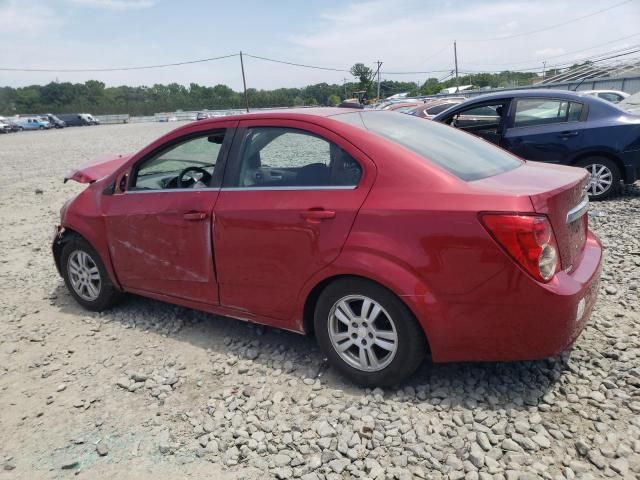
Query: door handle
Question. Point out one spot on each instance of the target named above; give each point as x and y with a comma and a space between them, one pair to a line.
315, 216
568, 134
194, 216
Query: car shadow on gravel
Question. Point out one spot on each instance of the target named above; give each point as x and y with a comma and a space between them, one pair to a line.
490, 385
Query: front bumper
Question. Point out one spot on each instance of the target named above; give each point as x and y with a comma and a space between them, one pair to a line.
56, 245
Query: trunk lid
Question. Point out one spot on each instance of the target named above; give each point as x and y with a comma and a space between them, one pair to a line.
102, 166
556, 191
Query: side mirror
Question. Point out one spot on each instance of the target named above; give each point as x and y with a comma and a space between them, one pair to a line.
122, 183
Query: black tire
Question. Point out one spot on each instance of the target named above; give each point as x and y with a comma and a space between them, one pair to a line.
613, 173
108, 294
411, 343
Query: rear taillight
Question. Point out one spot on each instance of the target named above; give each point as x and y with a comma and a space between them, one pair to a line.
528, 239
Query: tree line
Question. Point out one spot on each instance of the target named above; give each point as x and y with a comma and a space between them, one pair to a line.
95, 97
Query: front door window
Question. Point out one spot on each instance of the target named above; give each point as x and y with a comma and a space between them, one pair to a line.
484, 121
188, 164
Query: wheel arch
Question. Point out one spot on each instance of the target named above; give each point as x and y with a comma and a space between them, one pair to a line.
58, 245
312, 297
68, 233
608, 155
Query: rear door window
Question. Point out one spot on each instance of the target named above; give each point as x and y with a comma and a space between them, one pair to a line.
543, 111
280, 157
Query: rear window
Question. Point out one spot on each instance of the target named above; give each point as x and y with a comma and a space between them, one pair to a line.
462, 154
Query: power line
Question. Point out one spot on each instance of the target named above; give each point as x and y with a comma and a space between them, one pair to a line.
417, 73
316, 67
550, 27
594, 59
330, 69
114, 69
445, 47
559, 66
563, 54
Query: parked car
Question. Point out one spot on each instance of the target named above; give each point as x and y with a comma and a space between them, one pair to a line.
557, 127
613, 96
432, 108
14, 126
55, 121
74, 119
52, 120
387, 235
4, 127
91, 120
202, 116
11, 124
32, 123
402, 107
631, 104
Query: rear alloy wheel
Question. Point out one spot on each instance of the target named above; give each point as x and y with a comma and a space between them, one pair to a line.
85, 276
368, 340
368, 333
604, 177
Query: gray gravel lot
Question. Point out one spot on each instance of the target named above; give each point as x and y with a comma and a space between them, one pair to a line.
149, 389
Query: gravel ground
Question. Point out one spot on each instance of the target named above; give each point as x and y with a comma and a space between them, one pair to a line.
153, 389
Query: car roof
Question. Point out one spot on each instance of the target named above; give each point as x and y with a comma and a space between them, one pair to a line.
598, 108
600, 91
530, 93
283, 113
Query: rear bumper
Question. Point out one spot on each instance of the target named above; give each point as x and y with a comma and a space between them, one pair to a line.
540, 321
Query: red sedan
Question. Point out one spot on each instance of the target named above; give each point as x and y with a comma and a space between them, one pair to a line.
388, 236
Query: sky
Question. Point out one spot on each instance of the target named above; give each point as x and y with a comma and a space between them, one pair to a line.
406, 35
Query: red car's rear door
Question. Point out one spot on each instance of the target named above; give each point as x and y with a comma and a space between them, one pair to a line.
159, 231
291, 192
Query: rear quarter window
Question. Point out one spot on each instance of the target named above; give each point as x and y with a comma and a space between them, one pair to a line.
465, 156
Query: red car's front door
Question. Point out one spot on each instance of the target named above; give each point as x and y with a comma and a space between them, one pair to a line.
290, 196
160, 228
160, 242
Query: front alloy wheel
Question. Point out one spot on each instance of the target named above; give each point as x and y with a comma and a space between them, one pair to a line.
84, 275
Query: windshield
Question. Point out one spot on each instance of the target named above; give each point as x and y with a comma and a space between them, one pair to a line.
462, 154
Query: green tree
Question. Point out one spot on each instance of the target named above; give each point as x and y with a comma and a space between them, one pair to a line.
334, 100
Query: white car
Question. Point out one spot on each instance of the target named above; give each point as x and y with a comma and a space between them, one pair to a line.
631, 104
613, 96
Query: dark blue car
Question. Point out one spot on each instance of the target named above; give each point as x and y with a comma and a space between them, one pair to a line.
557, 127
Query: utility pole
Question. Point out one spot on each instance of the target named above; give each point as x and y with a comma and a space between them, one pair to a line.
244, 82
379, 65
455, 58
544, 69
344, 83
